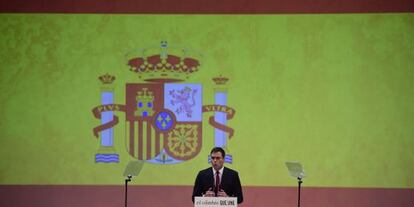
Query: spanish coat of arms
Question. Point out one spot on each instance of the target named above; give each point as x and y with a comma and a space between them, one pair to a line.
163, 114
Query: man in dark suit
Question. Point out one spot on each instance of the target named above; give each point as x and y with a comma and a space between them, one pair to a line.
218, 181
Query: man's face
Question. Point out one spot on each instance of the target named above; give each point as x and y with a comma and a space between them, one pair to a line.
217, 160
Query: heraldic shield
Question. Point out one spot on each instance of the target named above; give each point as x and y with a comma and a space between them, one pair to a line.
163, 121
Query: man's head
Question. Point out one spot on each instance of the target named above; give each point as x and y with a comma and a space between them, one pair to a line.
217, 157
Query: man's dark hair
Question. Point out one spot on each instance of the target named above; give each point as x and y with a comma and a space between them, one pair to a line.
218, 149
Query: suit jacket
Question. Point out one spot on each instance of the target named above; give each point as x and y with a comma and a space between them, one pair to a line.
230, 183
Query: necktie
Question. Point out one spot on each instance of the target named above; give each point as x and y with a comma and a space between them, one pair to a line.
216, 189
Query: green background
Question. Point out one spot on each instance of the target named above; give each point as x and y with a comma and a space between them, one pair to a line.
334, 92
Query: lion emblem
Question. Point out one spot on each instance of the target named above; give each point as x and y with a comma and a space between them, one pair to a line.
184, 100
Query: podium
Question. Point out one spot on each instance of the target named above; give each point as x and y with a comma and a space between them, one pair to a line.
215, 201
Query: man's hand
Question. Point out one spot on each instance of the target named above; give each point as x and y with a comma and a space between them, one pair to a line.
221, 193
209, 193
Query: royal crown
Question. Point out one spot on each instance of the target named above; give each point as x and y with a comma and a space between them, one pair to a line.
107, 79
165, 64
220, 80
